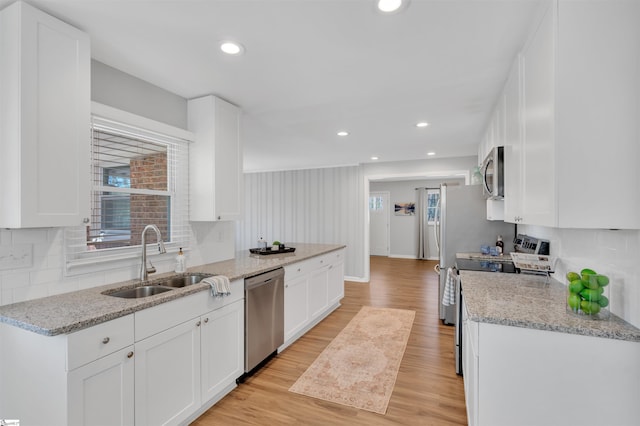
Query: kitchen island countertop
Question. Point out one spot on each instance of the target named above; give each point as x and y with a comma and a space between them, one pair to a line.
532, 301
73, 311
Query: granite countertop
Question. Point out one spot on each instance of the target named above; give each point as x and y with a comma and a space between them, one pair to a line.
69, 312
532, 301
479, 256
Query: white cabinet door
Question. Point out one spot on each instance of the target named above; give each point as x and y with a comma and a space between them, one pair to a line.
513, 145
167, 375
215, 160
318, 291
102, 392
222, 342
44, 125
296, 308
336, 282
538, 149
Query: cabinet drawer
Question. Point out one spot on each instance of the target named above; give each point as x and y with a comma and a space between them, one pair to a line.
95, 342
296, 270
162, 317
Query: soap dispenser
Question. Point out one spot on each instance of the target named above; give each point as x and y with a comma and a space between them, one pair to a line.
181, 262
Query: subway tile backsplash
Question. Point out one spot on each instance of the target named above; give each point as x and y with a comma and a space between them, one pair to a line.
45, 274
612, 252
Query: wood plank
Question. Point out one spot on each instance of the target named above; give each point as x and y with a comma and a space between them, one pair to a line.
427, 391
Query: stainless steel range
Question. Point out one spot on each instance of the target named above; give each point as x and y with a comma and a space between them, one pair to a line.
497, 265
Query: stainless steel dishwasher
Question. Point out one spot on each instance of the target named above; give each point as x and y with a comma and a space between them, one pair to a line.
264, 317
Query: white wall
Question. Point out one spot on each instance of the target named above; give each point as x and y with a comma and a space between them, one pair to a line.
305, 206
117, 89
610, 252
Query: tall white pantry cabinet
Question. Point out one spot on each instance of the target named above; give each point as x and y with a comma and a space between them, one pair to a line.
44, 120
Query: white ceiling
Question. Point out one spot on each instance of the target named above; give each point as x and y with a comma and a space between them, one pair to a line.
313, 67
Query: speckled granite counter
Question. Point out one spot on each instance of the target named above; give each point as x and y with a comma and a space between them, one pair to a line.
69, 312
522, 300
479, 256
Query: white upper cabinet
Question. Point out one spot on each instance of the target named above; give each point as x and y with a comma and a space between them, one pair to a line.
580, 140
215, 160
44, 120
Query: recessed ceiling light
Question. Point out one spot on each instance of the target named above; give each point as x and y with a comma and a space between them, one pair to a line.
231, 47
422, 124
343, 133
389, 6
431, 153
374, 158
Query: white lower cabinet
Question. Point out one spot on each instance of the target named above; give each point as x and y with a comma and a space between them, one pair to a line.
222, 349
313, 289
335, 285
318, 291
520, 376
167, 375
182, 370
296, 309
102, 392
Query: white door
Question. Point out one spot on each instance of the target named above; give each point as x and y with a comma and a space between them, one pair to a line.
379, 223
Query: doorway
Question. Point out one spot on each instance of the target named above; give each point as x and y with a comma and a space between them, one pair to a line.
379, 223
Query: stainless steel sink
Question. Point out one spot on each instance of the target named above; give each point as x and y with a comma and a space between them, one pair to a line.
182, 281
138, 292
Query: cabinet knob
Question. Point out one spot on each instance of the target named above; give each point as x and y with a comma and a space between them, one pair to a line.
286, 286
85, 220
206, 320
105, 340
219, 217
198, 324
298, 269
130, 354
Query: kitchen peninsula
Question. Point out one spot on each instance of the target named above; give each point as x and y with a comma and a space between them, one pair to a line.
527, 361
89, 357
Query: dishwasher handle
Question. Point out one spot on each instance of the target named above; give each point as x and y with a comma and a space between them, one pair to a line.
262, 279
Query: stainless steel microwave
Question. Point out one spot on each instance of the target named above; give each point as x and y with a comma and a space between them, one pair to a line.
493, 174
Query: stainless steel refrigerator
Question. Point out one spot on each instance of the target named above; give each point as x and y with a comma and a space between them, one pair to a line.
463, 227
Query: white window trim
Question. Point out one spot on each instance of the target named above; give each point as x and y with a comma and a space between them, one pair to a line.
127, 123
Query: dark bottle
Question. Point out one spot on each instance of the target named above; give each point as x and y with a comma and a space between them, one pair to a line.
500, 245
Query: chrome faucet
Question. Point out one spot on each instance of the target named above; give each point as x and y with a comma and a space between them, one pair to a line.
144, 271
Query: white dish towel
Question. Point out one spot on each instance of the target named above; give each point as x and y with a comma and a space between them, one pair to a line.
220, 285
451, 283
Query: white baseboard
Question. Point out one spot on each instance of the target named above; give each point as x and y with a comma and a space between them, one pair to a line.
356, 279
402, 256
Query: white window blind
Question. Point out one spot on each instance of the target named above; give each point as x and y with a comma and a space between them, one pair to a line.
139, 177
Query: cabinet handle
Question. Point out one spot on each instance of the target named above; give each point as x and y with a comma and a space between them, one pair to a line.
105, 340
206, 320
130, 354
198, 324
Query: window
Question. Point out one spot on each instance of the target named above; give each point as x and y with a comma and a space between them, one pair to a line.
433, 212
139, 177
130, 188
376, 203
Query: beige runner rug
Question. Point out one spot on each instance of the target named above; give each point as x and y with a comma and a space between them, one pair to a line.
360, 366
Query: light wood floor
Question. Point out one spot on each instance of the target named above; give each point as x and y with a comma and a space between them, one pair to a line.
427, 391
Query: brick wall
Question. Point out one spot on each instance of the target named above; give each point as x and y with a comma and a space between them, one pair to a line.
149, 172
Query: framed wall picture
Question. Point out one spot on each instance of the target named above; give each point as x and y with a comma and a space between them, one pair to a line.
405, 209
